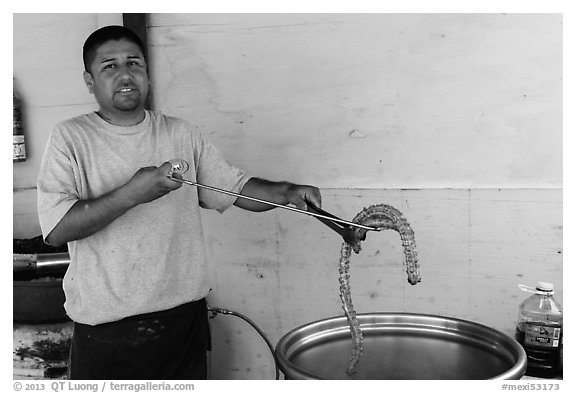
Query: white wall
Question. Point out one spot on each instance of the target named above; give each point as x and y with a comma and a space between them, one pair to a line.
454, 119
371, 101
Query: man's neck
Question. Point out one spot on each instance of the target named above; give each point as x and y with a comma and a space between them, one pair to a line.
128, 119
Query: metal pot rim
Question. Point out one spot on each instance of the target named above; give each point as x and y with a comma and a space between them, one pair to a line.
471, 331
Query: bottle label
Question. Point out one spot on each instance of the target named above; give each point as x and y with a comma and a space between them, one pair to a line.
542, 336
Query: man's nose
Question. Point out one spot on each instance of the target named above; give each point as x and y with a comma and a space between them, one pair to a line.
124, 73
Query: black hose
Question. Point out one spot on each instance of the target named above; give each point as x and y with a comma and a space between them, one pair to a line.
215, 311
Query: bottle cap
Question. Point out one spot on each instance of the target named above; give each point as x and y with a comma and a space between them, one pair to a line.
545, 286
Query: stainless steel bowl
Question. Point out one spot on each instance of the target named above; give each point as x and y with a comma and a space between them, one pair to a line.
401, 346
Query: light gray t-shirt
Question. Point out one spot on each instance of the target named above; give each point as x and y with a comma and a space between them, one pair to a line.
153, 257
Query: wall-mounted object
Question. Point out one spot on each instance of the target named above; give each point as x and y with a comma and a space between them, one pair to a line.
18, 129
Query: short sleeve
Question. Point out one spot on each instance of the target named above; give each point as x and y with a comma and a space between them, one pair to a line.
214, 170
57, 187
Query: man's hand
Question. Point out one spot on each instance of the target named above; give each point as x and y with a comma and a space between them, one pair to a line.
301, 195
150, 183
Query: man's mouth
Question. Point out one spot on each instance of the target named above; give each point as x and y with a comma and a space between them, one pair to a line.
126, 90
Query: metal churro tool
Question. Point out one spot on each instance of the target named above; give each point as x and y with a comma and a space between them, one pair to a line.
180, 166
341, 227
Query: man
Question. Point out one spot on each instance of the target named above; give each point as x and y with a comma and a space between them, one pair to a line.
137, 278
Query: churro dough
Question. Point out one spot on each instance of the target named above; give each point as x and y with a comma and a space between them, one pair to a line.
377, 216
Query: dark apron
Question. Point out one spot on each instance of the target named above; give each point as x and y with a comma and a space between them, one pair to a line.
169, 344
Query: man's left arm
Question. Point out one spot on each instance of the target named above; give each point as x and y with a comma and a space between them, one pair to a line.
282, 193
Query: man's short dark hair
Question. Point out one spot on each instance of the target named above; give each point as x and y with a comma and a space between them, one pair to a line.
103, 35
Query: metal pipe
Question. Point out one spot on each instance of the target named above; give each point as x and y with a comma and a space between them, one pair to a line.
274, 204
54, 261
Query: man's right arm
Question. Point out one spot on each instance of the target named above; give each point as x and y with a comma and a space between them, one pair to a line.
87, 217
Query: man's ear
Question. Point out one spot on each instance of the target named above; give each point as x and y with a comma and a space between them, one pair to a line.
89, 82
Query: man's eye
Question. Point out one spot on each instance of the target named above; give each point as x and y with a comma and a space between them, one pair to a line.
109, 66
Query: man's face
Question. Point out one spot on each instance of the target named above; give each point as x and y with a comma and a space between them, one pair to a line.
118, 79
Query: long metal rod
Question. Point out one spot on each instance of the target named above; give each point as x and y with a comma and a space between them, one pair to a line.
273, 204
